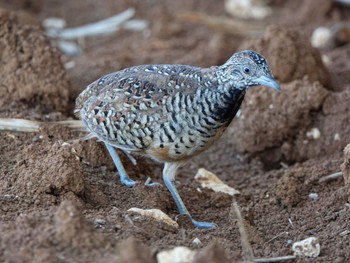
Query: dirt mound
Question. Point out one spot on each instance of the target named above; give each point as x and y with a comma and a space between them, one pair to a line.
339, 66
281, 117
301, 122
31, 70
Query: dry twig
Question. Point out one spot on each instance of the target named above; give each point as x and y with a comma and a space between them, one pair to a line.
22, 125
248, 255
276, 259
104, 26
330, 177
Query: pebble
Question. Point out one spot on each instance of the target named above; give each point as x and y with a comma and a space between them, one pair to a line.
321, 37
155, 214
211, 181
313, 196
309, 247
176, 255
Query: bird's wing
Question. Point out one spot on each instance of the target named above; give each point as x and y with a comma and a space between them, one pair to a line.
125, 101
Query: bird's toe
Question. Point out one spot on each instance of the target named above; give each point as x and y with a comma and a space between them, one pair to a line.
150, 183
204, 225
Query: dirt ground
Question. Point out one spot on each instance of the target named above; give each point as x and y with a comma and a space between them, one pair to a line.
60, 196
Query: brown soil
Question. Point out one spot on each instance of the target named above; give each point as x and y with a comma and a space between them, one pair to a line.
60, 197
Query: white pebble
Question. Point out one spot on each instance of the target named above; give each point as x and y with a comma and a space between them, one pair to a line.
247, 9
321, 37
313, 196
197, 242
314, 133
326, 60
336, 137
309, 247
69, 64
176, 255
54, 23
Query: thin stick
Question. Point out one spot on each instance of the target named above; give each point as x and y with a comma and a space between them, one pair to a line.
280, 234
330, 177
276, 259
23, 125
104, 26
248, 255
19, 125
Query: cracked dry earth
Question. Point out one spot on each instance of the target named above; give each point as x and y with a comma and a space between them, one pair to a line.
60, 197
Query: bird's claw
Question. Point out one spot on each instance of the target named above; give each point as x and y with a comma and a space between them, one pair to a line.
131, 183
128, 182
204, 225
151, 184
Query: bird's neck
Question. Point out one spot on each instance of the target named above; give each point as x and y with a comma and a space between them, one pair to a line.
222, 97
228, 102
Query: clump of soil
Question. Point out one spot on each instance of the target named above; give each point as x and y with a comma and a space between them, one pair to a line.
339, 66
345, 167
71, 228
296, 124
31, 70
59, 173
268, 119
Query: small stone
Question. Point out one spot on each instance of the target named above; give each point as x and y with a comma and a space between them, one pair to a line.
37, 138
321, 37
176, 255
156, 214
313, 196
247, 9
100, 222
197, 242
336, 137
326, 60
314, 133
211, 181
309, 247
54, 23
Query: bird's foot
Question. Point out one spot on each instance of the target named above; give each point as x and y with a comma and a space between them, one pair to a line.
204, 225
150, 183
128, 182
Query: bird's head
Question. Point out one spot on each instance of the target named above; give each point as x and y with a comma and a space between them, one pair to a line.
248, 68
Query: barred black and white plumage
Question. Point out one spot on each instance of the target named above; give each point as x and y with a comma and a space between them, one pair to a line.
170, 112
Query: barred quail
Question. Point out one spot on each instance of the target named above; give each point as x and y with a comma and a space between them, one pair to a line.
169, 113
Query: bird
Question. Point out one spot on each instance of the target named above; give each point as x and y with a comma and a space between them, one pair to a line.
169, 113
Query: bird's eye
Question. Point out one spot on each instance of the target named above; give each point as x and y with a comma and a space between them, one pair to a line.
246, 70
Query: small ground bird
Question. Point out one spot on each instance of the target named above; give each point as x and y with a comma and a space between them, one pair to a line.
169, 113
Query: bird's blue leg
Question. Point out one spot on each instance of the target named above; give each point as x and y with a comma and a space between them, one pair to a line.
124, 178
169, 173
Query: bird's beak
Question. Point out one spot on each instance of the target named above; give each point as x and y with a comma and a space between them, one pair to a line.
268, 82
